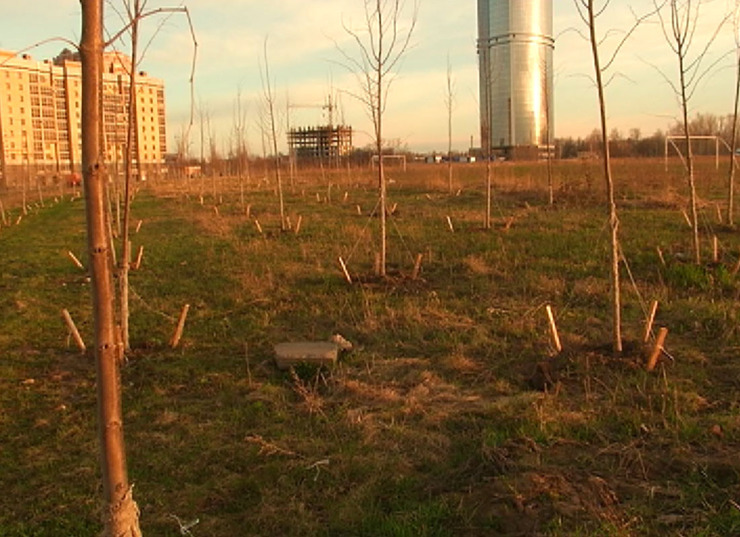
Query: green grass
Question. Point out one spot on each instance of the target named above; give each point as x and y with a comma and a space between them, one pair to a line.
430, 426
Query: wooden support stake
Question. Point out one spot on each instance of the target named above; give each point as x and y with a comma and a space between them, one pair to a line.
73, 330
657, 349
249, 211
345, 271
346, 195
180, 326
2, 214
660, 255
417, 266
318, 197
509, 222
719, 213
18, 221
215, 210
288, 223
201, 200
75, 260
459, 191
359, 210
449, 224
138, 225
393, 209
257, 224
553, 329
686, 217
139, 256
715, 249
650, 321
298, 224
377, 264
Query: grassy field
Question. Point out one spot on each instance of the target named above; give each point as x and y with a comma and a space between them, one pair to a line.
434, 424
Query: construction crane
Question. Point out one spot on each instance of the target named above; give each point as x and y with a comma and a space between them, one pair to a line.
329, 106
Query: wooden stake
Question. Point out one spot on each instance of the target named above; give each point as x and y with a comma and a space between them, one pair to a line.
137, 265
249, 211
459, 191
138, 225
201, 200
215, 210
650, 321
553, 329
180, 326
75, 260
257, 224
359, 210
449, 224
686, 217
417, 266
318, 197
393, 209
377, 264
298, 224
346, 195
2, 214
509, 222
657, 349
719, 213
715, 249
73, 331
18, 221
660, 255
345, 271
288, 223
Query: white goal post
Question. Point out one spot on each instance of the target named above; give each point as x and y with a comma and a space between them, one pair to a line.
669, 139
400, 158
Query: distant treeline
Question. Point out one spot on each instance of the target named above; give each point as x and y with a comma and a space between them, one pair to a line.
633, 144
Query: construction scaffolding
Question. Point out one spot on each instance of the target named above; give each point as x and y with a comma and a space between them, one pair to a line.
320, 145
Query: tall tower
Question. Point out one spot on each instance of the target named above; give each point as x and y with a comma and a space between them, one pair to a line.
515, 49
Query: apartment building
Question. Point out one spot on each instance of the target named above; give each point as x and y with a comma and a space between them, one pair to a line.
41, 125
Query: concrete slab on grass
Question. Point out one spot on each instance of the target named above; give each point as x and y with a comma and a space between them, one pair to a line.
318, 353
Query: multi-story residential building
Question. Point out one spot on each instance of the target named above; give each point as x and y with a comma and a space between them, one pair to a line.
41, 126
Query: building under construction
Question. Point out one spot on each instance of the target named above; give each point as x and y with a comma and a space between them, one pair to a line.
320, 145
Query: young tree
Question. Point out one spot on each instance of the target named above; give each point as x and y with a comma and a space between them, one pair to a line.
380, 44
120, 511
679, 30
731, 172
450, 104
589, 14
269, 100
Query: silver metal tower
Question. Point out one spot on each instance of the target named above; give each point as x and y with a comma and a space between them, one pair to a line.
515, 49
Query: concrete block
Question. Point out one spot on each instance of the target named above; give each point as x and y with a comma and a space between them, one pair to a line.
318, 353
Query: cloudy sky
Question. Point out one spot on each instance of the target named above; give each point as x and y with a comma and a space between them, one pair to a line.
305, 64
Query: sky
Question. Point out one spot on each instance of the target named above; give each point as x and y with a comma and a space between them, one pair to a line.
305, 40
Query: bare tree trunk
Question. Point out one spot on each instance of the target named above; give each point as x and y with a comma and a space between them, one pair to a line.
270, 100
731, 174
689, 161
120, 511
125, 261
612, 207
449, 101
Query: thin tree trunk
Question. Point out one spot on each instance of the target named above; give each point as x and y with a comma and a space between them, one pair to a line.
689, 162
612, 207
120, 511
731, 175
125, 261
379, 146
